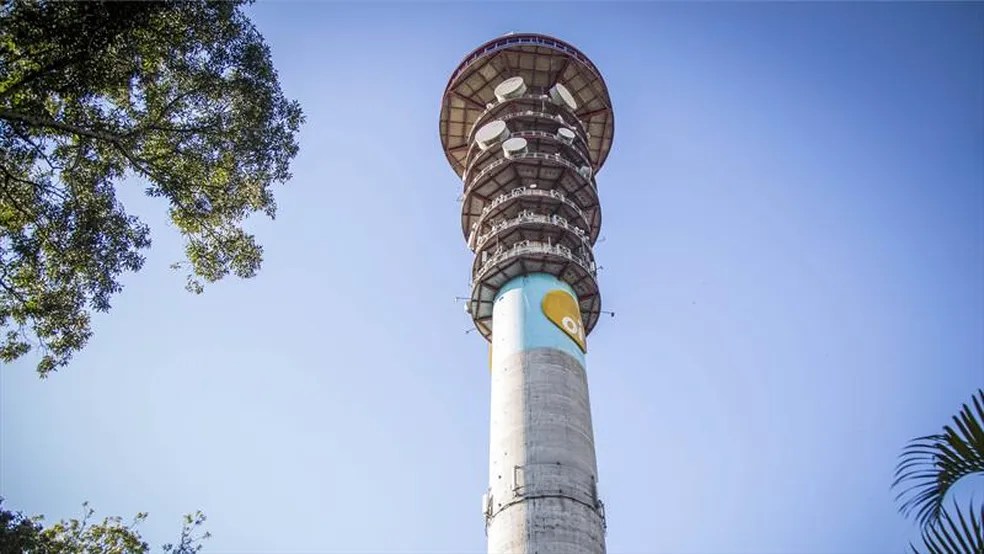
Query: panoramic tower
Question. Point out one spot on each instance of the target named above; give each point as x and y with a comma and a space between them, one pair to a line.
526, 122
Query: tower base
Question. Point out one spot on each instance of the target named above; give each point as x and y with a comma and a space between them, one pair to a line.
543, 495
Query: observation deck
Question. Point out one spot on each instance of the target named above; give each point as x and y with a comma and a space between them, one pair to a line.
526, 122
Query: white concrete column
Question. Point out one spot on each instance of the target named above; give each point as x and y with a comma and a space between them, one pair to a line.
542, 496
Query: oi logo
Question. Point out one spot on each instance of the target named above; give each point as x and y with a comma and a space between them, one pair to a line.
561, 308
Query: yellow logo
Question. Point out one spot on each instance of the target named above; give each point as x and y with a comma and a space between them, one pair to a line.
561, 308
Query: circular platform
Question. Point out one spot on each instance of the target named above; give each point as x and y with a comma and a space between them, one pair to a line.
542, 62
547, 171
534, 199
534, 257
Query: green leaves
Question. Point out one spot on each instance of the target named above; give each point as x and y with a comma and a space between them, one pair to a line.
18, 533
80, 536
182, 94
954, 535
191, 535
930, 465
112, 535
927, 469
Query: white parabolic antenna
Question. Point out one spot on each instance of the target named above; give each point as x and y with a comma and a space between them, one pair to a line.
510, 88
565, 134
563, 97
491, 133
514, 146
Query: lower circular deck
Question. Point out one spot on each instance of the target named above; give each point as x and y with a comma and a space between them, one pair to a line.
534, 257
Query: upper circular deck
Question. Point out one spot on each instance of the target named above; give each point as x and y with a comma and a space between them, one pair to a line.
542, 61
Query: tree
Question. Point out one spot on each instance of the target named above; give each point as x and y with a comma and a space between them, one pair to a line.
26, 535
927, 470
18, 533
182, 95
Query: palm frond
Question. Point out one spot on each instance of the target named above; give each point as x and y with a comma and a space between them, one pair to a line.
954, 535
930, 465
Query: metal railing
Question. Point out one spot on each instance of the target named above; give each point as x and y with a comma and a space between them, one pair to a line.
470, 163
540, 114
527, 216
532, 247
526, 191
584, 171
505, 42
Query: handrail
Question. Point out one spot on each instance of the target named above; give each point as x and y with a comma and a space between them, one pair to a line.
533, 247
529, 133
533, 39
535, 156
493, 106
525, 191
527, 216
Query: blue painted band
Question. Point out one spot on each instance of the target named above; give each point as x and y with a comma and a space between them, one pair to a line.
537, 331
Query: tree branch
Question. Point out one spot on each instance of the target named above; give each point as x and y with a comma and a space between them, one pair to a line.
166, 109
8, 176
54, 66
12, 291
35, 121
37, 148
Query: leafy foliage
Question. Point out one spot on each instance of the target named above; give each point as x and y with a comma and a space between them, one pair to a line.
949, 535
191, 535
112, 535
17, 532
930, 465
180, 94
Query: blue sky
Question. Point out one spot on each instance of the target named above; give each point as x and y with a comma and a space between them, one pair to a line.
793, 245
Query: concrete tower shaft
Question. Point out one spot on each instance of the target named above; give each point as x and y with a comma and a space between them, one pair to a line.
526, 122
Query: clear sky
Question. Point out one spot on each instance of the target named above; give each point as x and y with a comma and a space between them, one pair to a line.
793, 245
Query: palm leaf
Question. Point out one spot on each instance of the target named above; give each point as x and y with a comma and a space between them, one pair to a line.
930, 465
954, 535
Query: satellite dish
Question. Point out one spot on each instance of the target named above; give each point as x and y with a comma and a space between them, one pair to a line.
562, 97
491, 133
512, 87
514, 146
566, 135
